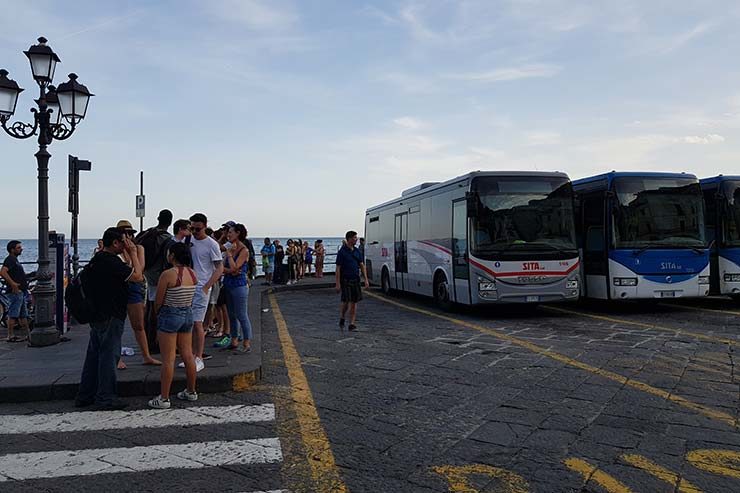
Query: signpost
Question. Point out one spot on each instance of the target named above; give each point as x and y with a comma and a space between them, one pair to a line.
140, 202
75, 166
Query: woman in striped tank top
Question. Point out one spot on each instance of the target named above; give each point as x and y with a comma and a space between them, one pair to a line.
175, 291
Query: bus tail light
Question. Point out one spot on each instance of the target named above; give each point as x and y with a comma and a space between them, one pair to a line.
625, 281
732, 277
703, 279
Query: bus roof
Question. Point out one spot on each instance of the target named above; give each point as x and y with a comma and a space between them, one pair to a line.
719, 178
632, 174
411, 193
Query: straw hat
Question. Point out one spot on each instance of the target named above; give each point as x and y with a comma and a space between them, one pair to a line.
125, 225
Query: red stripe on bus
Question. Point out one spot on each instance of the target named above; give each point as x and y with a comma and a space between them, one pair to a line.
525, 273
438, 247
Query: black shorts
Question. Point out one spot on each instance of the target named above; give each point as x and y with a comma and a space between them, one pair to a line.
351, 291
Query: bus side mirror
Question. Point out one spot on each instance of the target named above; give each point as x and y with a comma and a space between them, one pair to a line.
473, 204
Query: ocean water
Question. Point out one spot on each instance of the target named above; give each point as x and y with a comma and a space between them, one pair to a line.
86, 247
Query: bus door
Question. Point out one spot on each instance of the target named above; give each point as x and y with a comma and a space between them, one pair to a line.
400, 252
460, 267
595, 246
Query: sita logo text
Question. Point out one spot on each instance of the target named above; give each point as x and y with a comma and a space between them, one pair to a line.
531, 266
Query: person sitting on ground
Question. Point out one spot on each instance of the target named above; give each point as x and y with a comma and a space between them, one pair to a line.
175, 290
106, 286
15, 277
136, 294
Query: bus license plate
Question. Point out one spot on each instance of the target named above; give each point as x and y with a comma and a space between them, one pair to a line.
667, 294
531, 299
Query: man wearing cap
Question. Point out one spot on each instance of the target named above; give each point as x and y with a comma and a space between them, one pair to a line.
136, 308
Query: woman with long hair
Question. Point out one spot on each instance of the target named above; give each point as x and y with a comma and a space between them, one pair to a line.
236, 285
136, 307
291, 253
320, 253
175, 291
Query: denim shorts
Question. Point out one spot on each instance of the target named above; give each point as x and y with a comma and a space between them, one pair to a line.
173, 320
135, 293
200, 303
17, 305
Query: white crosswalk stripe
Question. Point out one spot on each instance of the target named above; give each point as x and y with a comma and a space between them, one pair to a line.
88, 462
136, 459
144, 418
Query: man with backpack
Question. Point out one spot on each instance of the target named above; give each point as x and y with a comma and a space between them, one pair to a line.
155, 242
104, 282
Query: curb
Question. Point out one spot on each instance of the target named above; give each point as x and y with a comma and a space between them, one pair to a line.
65, 387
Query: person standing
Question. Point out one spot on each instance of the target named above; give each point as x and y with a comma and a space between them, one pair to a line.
320, 254
15, 277
105, 280
237, 288
278, 277
155, 242
182, 231
350, 263
307, 258
136, 295
293, 253
208, 266
175, 292
268, 260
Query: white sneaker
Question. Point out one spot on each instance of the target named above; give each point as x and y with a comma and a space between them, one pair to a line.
186, 395
199, 365
181, 364
160, 403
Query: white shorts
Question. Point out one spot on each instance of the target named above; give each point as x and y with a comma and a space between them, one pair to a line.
151, 292
215, 291
200, 304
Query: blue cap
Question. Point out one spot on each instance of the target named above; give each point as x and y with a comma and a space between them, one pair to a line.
230, 224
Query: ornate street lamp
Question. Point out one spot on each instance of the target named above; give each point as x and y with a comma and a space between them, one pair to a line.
59, 112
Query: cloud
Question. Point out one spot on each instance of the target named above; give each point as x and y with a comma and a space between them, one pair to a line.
679, 40
543, 138
509, 73
409, 123
257, 15
707, 139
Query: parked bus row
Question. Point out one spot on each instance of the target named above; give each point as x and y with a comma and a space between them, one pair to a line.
533, 237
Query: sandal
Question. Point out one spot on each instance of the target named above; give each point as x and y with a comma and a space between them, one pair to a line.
17, 339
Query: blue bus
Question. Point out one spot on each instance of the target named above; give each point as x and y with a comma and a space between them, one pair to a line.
722, 201
641, 236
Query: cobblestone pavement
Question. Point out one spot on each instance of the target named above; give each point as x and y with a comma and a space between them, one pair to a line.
592, 397
637, 398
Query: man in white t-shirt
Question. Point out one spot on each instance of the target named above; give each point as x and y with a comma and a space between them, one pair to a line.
208, 266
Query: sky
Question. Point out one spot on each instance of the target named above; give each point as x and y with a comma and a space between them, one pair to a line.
295, 116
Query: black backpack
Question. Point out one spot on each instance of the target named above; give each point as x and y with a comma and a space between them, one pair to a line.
154, 242
79, 303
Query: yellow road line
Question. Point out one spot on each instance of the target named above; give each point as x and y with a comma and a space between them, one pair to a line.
635, 384
702, 309
679, 484
643, 325
593, 473
716, 461
458, 478
324, 472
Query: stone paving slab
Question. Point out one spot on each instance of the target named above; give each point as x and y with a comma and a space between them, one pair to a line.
53, 373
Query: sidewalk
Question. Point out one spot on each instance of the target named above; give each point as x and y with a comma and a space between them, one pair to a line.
53, 372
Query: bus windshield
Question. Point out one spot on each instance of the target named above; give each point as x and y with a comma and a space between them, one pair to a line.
731, 190
522, 214
658, 212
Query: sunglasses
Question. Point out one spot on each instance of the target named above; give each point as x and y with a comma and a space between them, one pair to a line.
196, 229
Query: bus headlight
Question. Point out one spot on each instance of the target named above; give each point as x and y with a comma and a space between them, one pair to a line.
625, 281
486, 286
732, 277
572, 284
703, 279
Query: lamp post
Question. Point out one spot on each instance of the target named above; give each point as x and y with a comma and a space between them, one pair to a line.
59, 112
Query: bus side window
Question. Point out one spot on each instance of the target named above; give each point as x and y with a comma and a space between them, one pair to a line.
710, 214
593, 223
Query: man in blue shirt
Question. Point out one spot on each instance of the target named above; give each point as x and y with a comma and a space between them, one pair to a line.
268, 261
349, 264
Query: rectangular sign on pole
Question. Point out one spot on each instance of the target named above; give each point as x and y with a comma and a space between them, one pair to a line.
140, 206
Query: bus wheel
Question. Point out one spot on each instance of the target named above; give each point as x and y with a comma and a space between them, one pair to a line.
385, 282
442, 292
